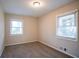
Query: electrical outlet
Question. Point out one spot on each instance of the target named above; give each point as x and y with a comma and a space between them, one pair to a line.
65, 49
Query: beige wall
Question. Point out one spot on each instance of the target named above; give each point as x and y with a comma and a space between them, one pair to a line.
29, 30
42, 29
47, 30
1, 31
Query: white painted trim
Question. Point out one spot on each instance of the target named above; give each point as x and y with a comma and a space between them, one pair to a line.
20, 43
67, 13
10, 26
58, 49
2, 51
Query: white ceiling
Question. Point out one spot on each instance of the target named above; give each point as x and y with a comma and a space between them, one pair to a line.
25, 7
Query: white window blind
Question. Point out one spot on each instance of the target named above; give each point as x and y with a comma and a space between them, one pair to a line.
67, 25
16, 27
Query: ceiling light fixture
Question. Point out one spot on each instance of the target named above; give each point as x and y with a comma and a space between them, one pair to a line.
36, 4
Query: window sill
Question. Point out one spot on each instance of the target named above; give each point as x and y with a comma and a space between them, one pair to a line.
67, 38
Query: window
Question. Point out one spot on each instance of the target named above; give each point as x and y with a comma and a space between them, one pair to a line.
16, 27
67, 25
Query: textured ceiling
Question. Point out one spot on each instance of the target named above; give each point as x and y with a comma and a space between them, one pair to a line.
25, 7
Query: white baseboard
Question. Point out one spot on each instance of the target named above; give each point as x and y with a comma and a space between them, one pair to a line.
58, 49
2, 51
19, 43
45, 44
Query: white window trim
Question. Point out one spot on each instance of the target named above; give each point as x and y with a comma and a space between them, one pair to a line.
67, 13
14, 19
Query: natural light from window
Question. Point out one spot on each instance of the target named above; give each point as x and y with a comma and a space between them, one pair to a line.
16, 27
67, 26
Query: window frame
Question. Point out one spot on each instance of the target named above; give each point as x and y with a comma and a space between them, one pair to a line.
17, 20
64, 14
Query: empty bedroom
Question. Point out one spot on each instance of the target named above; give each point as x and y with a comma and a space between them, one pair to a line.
39, 28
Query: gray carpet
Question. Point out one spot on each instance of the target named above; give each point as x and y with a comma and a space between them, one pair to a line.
31, 50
